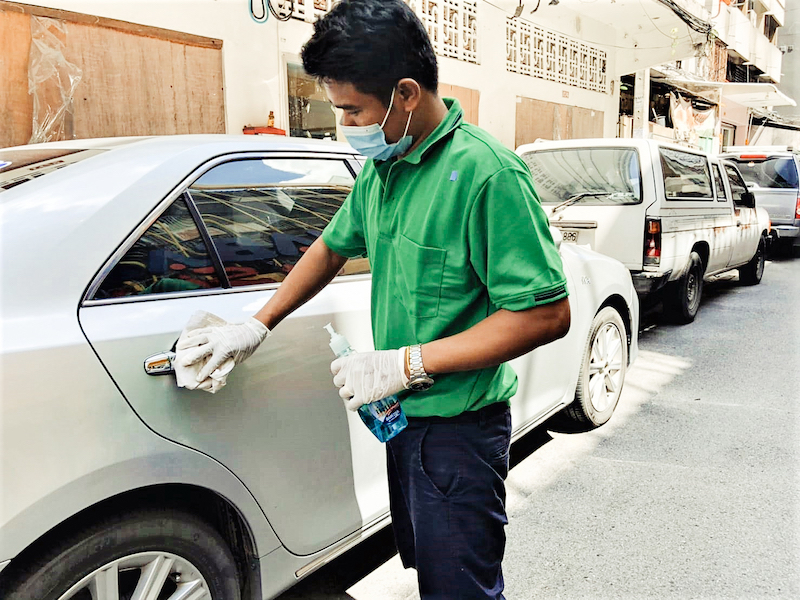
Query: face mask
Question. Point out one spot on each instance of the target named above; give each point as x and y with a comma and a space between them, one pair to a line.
371, 141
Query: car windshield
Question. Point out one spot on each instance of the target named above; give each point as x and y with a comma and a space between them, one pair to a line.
774, 172
612, 175
22, 165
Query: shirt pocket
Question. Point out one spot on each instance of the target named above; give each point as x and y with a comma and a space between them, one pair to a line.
420, 272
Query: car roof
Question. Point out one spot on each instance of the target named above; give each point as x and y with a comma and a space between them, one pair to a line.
769, 150
639, 143
175, 142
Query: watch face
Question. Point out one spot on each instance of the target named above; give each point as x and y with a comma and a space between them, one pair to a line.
420, 384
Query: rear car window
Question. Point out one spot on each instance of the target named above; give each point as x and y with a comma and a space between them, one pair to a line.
171, 256
23, 165
773, 172
606, 175
686, 175
263, 214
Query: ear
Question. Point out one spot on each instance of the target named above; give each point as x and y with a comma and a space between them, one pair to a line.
411, 93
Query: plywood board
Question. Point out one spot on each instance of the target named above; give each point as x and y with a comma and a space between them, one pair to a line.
135, 85
535, 119
467, 97
539, 119
16, 105
135, 79
586, 123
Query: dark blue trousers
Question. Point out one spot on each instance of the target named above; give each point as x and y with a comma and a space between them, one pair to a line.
447, 497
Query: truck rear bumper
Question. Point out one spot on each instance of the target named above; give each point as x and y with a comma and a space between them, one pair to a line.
647, 282
786, 231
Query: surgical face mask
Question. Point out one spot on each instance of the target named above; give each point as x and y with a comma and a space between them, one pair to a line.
371, 141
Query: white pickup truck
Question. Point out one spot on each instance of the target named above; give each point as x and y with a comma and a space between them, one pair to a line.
673, 216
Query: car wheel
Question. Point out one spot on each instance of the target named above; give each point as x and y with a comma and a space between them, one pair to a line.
149, 554
682, 298
751, 273
605, 361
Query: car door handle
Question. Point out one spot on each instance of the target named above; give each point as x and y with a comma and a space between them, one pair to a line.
160, 364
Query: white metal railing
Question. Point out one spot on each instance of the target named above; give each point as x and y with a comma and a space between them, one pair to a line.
538, 52
452, 24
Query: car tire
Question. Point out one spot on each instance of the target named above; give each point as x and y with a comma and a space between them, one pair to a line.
603, 368
752, 272
682, 297
158, 547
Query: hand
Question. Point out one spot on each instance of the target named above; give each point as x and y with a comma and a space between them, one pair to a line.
370, 376
230, 340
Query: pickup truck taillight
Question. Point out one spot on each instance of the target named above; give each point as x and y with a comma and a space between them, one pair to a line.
797, 207
652, 242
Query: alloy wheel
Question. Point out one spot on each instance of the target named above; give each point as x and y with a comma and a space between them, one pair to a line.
606, 367
142, 576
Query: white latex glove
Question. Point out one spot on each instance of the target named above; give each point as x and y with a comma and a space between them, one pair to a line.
229, 343
366, 377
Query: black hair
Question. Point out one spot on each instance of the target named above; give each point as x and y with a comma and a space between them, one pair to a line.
371, 44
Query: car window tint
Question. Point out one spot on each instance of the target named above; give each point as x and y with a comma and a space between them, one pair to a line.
720, 187
686, 175
770, 172
169, 257
737, 184
263, 214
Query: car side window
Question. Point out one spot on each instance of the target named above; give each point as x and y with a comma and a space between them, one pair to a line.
170, 257
686, 175
263, 214
720, 187
738, 187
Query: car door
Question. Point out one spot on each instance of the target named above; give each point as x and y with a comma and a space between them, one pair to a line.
723, 235
223, 244
746, 234
545, 374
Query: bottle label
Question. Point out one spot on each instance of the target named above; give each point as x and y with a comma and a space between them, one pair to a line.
385, 414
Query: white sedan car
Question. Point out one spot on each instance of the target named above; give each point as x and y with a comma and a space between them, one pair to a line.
118, 484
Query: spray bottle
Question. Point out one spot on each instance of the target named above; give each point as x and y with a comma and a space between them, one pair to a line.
384, 418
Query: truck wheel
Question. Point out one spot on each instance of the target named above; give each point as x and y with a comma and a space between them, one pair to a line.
605, 360
147, 554
682, 297
751, 273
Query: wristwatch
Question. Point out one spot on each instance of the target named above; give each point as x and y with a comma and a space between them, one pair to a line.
418, 380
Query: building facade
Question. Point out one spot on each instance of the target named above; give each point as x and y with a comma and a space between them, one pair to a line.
522, 70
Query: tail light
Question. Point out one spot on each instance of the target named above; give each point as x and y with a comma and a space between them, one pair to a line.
797, 207
652, 242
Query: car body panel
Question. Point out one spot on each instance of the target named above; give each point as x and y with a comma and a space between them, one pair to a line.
89, 423
70, 442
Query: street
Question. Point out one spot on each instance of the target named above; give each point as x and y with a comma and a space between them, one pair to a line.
692, 490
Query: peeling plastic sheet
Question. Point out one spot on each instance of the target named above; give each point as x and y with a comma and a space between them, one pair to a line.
51, 81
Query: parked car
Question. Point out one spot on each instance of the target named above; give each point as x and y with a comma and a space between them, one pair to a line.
671, 215
115, 479
771, 173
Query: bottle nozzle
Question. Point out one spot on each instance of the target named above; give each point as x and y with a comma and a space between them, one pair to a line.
339, 344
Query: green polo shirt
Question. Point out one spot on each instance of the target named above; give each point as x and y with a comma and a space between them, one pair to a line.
454, 231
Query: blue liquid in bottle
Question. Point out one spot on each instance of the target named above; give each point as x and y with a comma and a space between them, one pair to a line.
384, 418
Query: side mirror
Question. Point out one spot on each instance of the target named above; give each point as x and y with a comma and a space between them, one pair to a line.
748, 200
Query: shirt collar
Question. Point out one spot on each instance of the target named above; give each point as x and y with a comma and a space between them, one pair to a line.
451, 121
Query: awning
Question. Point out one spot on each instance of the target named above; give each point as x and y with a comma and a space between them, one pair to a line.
756, 95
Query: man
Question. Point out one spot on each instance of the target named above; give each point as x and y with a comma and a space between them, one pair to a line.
465, 276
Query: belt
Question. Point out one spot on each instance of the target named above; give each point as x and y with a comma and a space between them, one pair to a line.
470, 416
